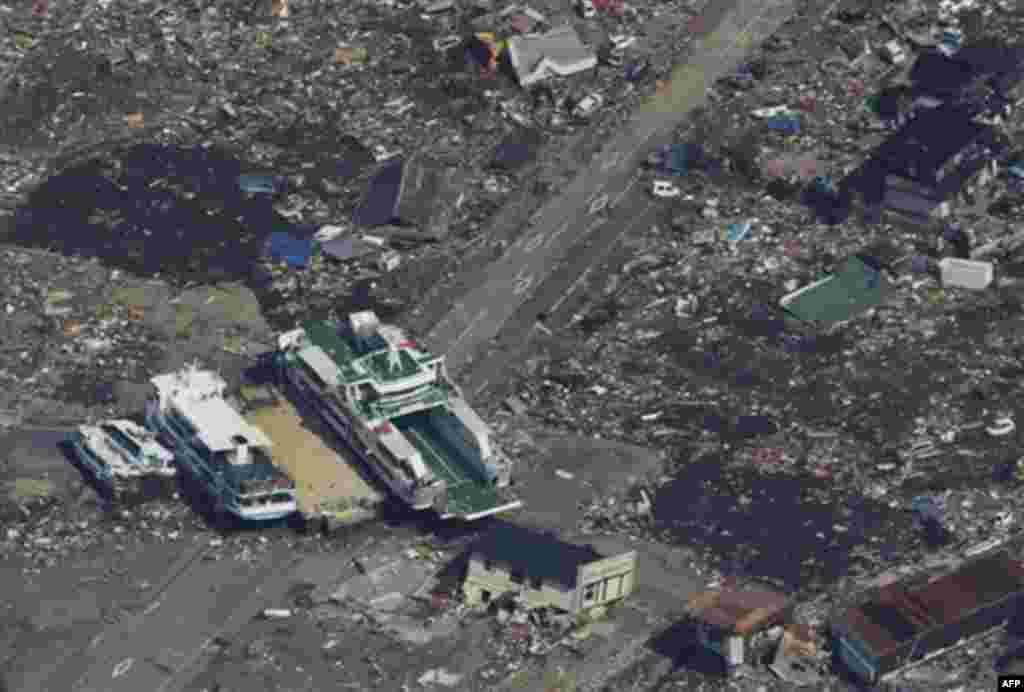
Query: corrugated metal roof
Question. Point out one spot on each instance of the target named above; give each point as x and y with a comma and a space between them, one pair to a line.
986, 581
739, 609
896, 615
541, 555
877, 639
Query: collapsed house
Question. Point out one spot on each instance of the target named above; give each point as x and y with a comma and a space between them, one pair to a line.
540, 570
406, 192
729, 619
937, 155
903, 624
535, 57
855, 287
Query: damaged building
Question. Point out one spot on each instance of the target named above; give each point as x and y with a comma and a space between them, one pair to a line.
406, 192
903, 624
728, 620
542, 571
938, 154
559, 52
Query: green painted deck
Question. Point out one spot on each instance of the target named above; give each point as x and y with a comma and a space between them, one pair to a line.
354, 368
325, 335
469, 497
380, 365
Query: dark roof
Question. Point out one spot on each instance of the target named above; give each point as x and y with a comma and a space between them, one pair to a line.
380, 207
991, 56
517, 149
918, 149
898, 614
540, 555
403, 192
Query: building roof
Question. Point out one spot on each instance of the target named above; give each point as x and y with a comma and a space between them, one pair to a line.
539, 555
923, 145
558, 52
739, 610
404, 191
219, 425
897, 614
852, 289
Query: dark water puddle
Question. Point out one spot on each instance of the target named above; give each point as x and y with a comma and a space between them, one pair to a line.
774, 536
172, 212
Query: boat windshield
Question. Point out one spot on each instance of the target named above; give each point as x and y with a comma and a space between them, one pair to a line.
266, 499
121, 439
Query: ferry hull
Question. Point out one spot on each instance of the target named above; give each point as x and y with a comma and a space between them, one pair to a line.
343, 431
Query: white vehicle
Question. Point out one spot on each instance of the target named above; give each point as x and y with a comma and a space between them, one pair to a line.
586, 9
894, 53
587, 105
1001, 427
621, 42
665, 189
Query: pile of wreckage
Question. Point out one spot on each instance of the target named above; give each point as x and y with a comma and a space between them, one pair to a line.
422, 155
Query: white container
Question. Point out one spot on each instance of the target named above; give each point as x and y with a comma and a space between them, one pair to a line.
963, 273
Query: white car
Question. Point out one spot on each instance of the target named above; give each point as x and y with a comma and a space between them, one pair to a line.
665, 189
587, 105
621, 42
586, 9
894, 53
1001, 427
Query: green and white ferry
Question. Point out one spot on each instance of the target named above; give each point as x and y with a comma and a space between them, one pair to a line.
393, 405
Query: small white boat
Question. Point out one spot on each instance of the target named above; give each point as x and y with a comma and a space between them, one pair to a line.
119, 452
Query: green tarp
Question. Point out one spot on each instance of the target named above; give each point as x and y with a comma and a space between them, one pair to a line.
854, 288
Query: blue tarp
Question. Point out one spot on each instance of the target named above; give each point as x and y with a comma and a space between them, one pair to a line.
380, 207
260, 183
517, 149
679, 158
787, 125
294, 251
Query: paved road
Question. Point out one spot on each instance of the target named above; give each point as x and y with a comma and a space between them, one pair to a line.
598, 197
153, 649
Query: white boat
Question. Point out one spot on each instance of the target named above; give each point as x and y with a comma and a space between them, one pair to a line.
119, 453
227, 455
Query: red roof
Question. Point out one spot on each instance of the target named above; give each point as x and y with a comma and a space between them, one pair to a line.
384, 428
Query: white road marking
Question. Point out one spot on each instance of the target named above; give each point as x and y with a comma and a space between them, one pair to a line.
572, 289
625, 191
123, 667
598, 204
611, 161
554, 236
582, 277
523, 282
534, 242
481, 388
472, 323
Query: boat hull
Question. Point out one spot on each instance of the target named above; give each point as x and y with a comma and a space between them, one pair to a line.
116, 484
343, 431
191, 464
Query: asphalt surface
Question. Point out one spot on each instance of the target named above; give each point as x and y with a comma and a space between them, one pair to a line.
155, 648
580, 226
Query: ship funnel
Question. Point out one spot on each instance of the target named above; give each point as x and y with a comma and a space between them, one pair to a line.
364, 324
364, 327
241, 449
